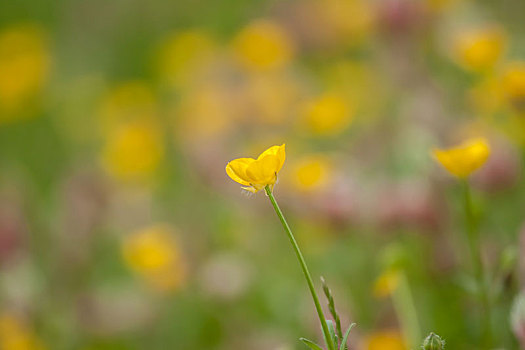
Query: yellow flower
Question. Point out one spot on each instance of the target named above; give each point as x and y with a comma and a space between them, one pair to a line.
514, 84
327, 114
386, 284
351, 21
312, 173
480, 49
257, 173
153, 254
134, 151
439, 6
385, 340
464, 159
263, 45
15, 335
24, 67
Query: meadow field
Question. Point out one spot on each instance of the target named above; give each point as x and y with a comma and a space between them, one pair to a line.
147, 146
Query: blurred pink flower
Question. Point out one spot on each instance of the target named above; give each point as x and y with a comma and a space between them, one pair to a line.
409, 205
501, 171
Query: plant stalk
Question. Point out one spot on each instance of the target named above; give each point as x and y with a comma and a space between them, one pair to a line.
472, 231
406, 311
304, 267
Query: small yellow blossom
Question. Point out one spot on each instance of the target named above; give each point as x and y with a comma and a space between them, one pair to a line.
133, 151
386, 284
439, 6
465, 158
328, 114
15, 335
385, 340
183, 53
480, 49
513, 83
260, 172
25, 61
153, 254
350, 20
263, 45
312, 173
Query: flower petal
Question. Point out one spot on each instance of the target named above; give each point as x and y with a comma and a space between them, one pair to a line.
281, 155
278, 151
236, 169
464, 159
263, 171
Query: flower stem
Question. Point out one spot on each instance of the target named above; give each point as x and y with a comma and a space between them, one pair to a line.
406, 311
302, 262
477, 262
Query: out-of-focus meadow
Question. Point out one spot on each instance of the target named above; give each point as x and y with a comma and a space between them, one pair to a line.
119, 228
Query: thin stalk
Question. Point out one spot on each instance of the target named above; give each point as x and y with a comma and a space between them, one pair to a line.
406, 311
472, 231
304, 267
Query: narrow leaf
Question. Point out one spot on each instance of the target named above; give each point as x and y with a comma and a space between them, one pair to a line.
344, 346
331, 307
310, 344
331, 330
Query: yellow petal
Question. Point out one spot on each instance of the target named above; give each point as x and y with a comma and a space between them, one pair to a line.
236, 169
278, 151
263, 171
464, 159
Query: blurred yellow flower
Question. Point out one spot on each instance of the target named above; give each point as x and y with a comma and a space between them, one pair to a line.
182, 54
154, 255
440, 5
312, 173
133, 150
14, 335
384, 340
386, 284
128, 101
257, 173
327, 114
480, 49
351, 20
465, 158
513, 83
24, 67
263, 45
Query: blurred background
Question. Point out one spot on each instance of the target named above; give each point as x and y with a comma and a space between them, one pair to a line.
119, 228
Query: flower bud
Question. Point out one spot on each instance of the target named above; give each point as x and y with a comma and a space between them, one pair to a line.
433, 342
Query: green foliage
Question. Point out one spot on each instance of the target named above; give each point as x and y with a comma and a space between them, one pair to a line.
311, 344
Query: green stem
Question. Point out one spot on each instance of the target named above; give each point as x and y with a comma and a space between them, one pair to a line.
406, 311
477, 263
302, 262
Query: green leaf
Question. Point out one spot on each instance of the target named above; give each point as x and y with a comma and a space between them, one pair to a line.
345, 338
331, 330
331, 307
310, 344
